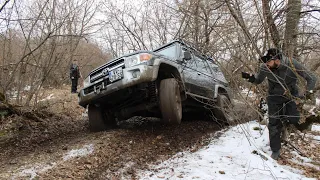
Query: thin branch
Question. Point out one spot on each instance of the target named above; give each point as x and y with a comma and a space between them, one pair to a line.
313, 10
4, 5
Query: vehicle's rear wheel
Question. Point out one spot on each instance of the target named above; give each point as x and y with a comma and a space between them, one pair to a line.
170, 101
100, 120
224, 111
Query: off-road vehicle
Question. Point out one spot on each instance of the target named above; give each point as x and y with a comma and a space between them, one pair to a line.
168, 82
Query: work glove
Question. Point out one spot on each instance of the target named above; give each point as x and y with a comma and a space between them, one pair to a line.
248, 76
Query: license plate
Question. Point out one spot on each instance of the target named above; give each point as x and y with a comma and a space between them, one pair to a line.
115, 75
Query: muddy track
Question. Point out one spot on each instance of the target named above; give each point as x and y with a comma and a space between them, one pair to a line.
117, 153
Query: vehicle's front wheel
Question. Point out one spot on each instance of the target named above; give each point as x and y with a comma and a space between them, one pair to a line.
99, 120
170, 101
224, 111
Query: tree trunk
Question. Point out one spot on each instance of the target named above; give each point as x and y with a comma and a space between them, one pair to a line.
291, 31
270, 23
196, 22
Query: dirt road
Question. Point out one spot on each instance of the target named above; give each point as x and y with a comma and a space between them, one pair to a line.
112, 154
61, 146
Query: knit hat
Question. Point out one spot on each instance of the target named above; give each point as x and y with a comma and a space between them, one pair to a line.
274, 53
265, 58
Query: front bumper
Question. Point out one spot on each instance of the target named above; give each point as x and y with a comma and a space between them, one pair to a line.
97, 91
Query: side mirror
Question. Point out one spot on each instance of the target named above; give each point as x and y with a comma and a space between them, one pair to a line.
186, 55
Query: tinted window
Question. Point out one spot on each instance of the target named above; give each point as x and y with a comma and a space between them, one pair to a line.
192, 64
170, 51
215, 68
217, 71
202, 65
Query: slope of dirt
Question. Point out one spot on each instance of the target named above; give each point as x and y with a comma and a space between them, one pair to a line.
60, 116
116, 153
41, 149
28, 143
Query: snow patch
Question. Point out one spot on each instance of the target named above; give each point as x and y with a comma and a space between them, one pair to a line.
238, 102
304, 161
32, 172
312, 137
47, 98
242, 152
318, 102
248, 92
85, 114
315, 127
27, 88
316, 138
86, 150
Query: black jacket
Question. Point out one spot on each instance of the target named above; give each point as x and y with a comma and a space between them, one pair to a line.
74, 71
286, 74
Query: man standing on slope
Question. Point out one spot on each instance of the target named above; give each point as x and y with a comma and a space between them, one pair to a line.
74, 76
281, 73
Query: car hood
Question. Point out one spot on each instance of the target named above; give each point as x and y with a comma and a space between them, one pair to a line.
122, 57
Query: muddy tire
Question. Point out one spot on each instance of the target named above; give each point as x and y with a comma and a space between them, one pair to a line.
170, 101
224, 111
99, 120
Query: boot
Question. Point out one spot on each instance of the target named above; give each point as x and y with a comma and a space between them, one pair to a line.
275, 155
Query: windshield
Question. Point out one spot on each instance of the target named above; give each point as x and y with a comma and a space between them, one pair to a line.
169, 51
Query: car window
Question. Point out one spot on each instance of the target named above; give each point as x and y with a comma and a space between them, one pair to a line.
170, 51
190, 63
202, 65
217, 71
215, 68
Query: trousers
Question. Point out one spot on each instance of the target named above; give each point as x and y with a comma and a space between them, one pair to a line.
279, 113
74, 85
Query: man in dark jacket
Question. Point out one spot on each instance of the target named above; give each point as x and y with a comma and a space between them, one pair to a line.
74, 76
281, 73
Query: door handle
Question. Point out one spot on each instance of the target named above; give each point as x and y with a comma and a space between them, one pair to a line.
199, 73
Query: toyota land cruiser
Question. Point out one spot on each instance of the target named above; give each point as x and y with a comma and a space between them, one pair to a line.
168, 83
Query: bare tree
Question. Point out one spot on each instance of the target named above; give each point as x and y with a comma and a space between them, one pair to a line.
142, 26
45, 36
50, 32
291, 31
4, 5
271, 26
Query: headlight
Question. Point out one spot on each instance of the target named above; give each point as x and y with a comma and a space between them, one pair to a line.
86, 82
137, 59
131, 61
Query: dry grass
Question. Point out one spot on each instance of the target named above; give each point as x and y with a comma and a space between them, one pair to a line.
61, 102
